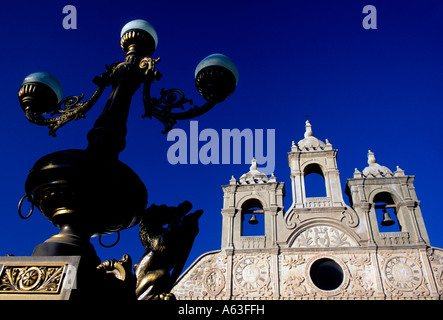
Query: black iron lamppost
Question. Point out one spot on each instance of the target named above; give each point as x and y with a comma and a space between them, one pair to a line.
90, 192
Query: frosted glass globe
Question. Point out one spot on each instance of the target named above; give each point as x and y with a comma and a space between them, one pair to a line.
140, 24
47, 79
218, 59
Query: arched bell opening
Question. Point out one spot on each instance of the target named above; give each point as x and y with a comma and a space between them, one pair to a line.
314, 181
253, 218
386, 213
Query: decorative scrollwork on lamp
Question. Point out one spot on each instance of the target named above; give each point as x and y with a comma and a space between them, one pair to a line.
40, 98
216, 78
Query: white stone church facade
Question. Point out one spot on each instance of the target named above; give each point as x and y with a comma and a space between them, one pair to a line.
319, 248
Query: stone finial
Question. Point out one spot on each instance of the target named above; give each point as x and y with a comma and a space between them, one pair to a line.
374, 168
253, 166
371, 158
400, 172
308, 132
272, 178
253, 176
310, 143
328, 145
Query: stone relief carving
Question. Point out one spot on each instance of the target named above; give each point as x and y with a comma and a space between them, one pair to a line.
293, 283
252, 242
214, 281
251, 275
294, 286
26, 279
362, 278
359, 277
292, 262
318, 202
348, 217
403, 276
323, 236
436, 258
292, 219
394, 238
403, 273
206, 281
384, 275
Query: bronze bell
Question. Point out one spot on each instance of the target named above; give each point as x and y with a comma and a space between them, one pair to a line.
253, 220
387, 221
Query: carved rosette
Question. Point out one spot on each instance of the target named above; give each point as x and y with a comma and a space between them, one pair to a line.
27, 279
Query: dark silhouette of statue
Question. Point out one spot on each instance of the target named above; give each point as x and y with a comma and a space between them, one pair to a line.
167, 234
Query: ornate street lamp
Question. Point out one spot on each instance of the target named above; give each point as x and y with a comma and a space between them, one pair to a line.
90, 192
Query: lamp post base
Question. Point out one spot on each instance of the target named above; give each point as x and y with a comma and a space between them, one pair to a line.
91, 281
84, 197
67, 243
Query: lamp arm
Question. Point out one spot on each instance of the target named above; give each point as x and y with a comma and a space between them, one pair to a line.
194, 111
71, 107
161, 108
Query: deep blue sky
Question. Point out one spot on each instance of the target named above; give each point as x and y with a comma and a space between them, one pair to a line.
362, 89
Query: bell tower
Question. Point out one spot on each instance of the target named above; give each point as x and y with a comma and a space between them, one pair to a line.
252, 210
389, 204
312, 156
314, 220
